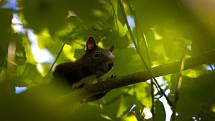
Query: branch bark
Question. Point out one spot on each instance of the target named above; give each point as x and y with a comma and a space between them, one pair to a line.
106, 86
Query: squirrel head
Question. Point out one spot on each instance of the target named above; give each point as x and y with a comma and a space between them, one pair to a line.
100, 60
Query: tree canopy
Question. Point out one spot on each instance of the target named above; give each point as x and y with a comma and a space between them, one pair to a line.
163, 68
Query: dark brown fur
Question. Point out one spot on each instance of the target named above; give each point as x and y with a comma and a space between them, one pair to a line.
96, 61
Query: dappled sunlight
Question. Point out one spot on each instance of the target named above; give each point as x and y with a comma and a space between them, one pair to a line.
131, 118
97, 12
213, 108
41, 69
68, 52
191, 73
204, 10
40, 55
157, 36
167, 42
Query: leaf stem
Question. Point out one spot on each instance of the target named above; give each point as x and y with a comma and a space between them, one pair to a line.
141, 57
58, 55
178, 86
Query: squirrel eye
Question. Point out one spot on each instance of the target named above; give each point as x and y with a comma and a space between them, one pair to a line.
97, 54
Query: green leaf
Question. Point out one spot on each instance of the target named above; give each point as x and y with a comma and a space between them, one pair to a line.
5, 29
160, 114
91, 11
27, 74
196, 98
41, 14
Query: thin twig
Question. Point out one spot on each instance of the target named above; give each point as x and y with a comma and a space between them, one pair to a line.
147, 54
114, 15
58, 55
141, 57
178, 86
211, 67
153, 101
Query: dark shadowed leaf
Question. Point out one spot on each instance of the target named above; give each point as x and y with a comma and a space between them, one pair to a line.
160, 114
196, 98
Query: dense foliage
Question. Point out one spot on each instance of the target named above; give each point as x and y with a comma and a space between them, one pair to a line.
145, 34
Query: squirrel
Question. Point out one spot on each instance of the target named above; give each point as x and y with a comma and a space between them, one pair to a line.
96, 61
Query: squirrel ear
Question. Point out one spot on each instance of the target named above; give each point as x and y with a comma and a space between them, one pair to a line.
91, 44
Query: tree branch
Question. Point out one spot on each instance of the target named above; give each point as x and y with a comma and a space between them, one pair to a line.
105, 86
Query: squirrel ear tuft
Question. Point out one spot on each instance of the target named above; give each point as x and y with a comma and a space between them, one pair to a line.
91, 44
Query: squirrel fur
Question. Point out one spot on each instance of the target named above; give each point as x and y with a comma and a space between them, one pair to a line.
96, 61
